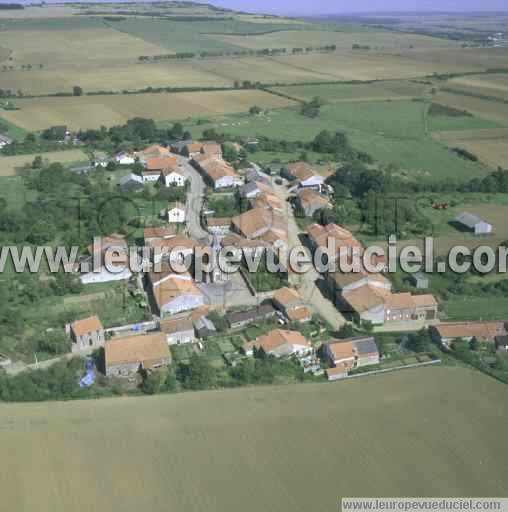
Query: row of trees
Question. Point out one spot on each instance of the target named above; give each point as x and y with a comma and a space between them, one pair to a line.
264, 52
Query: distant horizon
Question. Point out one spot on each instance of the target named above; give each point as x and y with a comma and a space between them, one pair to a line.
329, 7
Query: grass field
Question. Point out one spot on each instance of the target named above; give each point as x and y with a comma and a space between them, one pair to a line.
377, 40
10, 164
391, 131
476, 308
108, 110
355, 92
278, 448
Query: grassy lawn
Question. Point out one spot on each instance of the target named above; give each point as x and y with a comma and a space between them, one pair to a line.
477, 308
13, 131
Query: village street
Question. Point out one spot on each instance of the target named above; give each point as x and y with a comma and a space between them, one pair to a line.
307, 285
195, 197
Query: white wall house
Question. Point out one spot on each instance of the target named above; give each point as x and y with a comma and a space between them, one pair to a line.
176, 213
125, 159
314, 181
151, 176
227, 182
104, 276
173, 178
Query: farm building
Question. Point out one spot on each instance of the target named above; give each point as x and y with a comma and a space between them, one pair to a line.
304, 175
310, 201
240, 319
474, 222
87, 333
178, 330
484, 332
419, 280
262, 224
131, 182
175, 293
204, 327
126, 356
216, 172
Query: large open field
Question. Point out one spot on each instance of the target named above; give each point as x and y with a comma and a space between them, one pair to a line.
340, 92
391, 131
493, 85
107, 110
294, 448
10, 164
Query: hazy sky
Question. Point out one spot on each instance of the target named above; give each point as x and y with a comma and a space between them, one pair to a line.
340, 6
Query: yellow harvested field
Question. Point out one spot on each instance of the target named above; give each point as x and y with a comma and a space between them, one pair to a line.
490, 146
108, 110
482, 108
381, 40
113, 78
77, 49
495, 85
10, 164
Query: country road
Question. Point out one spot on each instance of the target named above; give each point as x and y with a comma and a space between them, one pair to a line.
308, 288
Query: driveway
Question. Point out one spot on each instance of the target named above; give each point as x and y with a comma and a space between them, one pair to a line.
307, 286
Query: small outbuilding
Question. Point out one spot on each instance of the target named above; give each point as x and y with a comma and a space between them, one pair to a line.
474, 222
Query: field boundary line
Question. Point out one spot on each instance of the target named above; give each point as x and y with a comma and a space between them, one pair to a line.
388, 370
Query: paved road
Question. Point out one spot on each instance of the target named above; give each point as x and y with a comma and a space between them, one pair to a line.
195, 198
308, 287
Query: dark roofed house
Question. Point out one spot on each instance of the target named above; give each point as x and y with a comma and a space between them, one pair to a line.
241, 318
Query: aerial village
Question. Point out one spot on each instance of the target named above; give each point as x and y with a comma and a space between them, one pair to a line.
298, 321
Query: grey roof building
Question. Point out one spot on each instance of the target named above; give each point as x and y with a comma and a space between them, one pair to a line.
474, 222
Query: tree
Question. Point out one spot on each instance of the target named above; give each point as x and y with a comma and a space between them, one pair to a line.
37, 162
199, 374
255, 111
111, 166
77, 91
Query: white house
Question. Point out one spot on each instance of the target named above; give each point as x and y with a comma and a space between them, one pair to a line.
475, 223
151, 176
172, 177
4, 141
105, 276
125, 158
176, 212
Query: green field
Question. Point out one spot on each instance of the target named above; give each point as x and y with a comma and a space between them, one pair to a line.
476, 308
397, 89
390, 131
280, 448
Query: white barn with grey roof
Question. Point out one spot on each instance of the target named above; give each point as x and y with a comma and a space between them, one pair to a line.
474, 222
